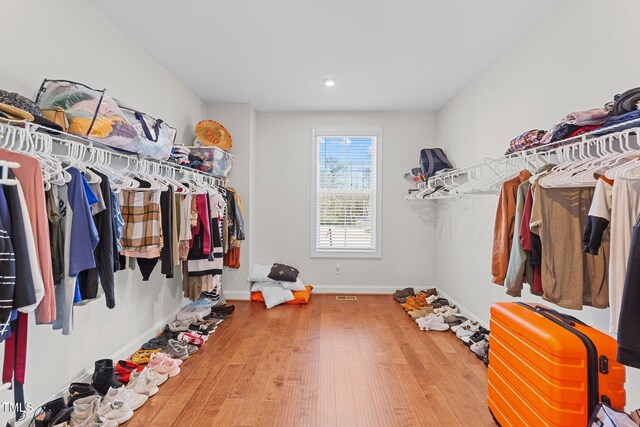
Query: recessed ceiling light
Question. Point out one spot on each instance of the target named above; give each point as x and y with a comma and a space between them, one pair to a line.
329, 82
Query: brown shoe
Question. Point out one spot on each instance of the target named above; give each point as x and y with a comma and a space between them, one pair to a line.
431, 292
409, 304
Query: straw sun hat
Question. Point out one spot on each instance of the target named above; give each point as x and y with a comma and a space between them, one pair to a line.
15, 113
212, 133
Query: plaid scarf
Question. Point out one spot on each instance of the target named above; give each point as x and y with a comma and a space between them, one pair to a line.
142, 231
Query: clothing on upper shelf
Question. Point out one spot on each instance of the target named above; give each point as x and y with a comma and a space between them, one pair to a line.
505, 226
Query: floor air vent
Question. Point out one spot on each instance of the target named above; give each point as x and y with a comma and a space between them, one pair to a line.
346, 298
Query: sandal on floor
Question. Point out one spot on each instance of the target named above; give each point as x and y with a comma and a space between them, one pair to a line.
141, 357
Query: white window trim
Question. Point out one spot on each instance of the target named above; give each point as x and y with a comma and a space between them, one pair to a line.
375, 131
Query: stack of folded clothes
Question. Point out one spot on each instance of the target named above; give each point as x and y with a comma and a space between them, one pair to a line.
433, 313
621, 113
118, 389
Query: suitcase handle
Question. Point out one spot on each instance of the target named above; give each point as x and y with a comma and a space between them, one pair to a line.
566, 318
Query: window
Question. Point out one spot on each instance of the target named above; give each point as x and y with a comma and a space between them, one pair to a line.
346, 193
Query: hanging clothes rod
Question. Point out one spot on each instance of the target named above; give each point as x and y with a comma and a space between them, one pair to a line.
486, 177
66, 139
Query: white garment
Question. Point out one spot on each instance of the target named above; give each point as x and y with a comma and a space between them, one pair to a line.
602, 199
185, 218
625, 208
65, 291
36, 274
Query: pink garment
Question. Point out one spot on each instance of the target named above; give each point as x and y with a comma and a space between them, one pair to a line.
595, 116
203, 221
30, 176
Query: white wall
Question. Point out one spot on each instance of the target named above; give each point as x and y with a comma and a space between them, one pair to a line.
578, 58
72, 40
239, 120
281, 226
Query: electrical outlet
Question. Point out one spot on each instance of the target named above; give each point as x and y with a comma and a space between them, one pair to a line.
338, 272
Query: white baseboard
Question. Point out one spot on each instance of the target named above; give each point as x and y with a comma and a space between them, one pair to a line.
237, 295
463, 310
355, 289
120, 354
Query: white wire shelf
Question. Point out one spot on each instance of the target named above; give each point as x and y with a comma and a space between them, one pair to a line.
486, 178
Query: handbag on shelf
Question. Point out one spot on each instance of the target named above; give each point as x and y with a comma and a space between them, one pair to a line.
155, 138
433, 160
57, 116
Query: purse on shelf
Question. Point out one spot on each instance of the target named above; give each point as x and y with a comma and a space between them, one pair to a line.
57, 116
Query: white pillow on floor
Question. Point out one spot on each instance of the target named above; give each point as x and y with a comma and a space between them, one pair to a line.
259, 273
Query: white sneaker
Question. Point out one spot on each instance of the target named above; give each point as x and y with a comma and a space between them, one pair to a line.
97, 420
468, 330
143, 383
133, 399
434, 324
446, 310
426, 318
432, 298
118, 411
83, 409
160, 378
462, 325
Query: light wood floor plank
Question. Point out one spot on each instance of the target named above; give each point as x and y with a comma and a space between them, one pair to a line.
329, 363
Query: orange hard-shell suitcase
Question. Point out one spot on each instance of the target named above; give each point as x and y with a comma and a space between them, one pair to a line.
549, 369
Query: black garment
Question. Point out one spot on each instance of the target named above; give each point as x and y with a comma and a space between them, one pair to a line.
56, 236
103, 273
146, 266
593, 233
168, 216
24, 292
563, 131
628, 337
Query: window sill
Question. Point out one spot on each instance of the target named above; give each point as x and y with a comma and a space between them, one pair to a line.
346, 254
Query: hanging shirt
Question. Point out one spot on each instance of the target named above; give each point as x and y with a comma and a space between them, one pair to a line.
570, 278
30, 176
599, 215
628, 338
103, 273
531, 244
519, 269
625, 209
505, 226
55, 234
142, 230
81, 239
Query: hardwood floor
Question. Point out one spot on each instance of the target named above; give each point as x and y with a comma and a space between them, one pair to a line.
330, 363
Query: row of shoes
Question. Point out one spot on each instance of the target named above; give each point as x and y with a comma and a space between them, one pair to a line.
433, 313
118, 389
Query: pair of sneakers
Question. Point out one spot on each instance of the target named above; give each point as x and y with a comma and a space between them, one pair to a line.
146, 381
115, 408
432, 322
464, 331
180, 350
164, 364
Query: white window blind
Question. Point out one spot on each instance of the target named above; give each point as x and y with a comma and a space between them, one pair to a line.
346, 195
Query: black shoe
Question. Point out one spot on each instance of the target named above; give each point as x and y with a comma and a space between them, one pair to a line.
79, 391
104, 377
227, 309
50, 411
485, 359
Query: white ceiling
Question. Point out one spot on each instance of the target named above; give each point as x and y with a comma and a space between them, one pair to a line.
387, 55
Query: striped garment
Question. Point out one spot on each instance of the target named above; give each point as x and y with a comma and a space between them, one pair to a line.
142, 231
7, 279
527, 140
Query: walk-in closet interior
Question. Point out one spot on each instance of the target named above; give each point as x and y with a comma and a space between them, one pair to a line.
337, 213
